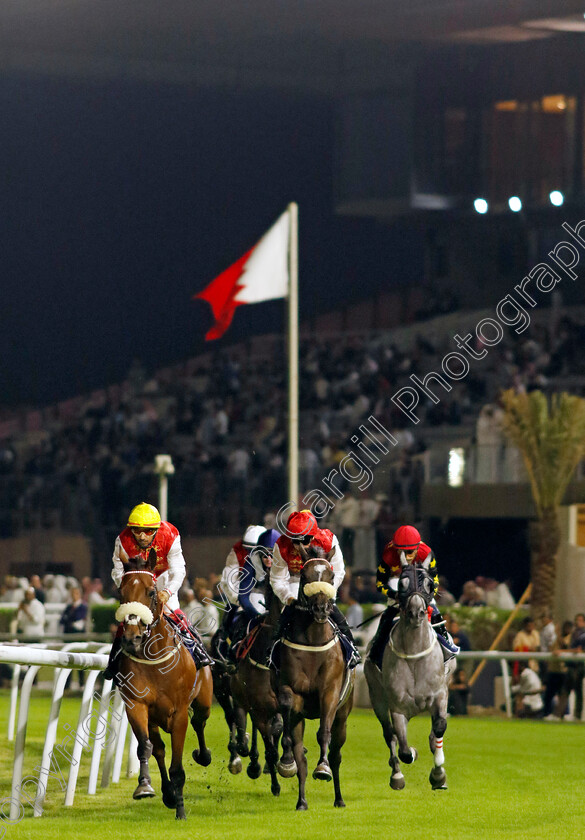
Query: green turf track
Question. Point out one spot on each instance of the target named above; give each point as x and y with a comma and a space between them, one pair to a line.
507, 779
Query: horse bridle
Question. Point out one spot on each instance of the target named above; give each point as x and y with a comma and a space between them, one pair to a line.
419, 582
153, 603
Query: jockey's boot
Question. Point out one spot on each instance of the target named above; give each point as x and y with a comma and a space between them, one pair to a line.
340, 621
192, 640
111, 670
448, 646
380, 640
283, 622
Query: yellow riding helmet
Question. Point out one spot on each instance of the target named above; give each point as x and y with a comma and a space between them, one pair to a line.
144, 516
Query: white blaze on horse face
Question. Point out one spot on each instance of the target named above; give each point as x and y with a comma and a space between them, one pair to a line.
320, 568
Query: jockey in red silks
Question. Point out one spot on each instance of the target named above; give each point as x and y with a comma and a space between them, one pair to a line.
285, 571
406, 547
145, 531
230, 585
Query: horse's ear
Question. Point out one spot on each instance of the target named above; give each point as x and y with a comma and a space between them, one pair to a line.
329, 555
151, 562
134, 563
304, 552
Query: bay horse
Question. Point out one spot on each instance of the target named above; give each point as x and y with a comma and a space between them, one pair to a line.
159, 683
412, 679
252, 690
313, 682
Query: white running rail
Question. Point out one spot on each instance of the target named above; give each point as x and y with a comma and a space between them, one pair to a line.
106, 725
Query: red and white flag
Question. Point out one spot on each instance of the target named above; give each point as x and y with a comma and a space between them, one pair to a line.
261, 274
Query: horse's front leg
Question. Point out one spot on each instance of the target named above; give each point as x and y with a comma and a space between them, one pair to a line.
254, 770
270, 734
138, 717
338, 735
158, 750
379, 702
328, 709
287, 765
176, 771
438, 777
298, 733
405, 753
242, 737
201, 708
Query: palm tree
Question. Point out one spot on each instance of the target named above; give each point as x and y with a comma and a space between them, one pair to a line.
550, 434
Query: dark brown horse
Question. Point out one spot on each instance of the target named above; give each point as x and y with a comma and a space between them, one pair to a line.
253, 692
313, 682
159, 682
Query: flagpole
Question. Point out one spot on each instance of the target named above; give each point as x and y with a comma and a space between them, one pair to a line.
293, 355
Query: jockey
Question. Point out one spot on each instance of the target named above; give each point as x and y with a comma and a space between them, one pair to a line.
285, 572
230, 583
404, 548
251, 589
143, 532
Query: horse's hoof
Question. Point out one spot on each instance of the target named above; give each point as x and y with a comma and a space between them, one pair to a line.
323, 772
242, 746
144, 791
169, 799
287, 771
397, 781
302, 805
275, 789
266, 769
202, 758
235, 766
339, 803
438, 779
408, 758
254, 771
182, 816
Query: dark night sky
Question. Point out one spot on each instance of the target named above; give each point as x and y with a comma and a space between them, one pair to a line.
119, 201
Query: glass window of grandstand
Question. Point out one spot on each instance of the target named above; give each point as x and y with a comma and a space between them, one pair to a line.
529, 148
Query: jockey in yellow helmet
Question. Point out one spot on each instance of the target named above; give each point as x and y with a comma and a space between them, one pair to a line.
145, 531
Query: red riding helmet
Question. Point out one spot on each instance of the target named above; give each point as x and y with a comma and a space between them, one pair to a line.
301, 524
406, 538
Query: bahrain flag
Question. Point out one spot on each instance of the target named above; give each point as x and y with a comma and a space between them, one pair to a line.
261, 274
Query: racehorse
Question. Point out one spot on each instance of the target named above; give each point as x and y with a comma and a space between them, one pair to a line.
412, 680
159, 682
313, 681
251, 690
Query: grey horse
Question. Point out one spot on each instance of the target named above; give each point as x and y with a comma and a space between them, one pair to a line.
413, 679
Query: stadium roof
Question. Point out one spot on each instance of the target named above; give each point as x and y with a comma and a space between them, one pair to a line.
304, 44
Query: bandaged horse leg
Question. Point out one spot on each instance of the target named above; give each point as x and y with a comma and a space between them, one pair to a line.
406, 754
438, 777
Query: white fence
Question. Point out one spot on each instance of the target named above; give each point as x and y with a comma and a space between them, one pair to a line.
102, 719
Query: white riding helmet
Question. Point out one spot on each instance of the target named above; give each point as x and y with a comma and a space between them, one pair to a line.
252, 535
